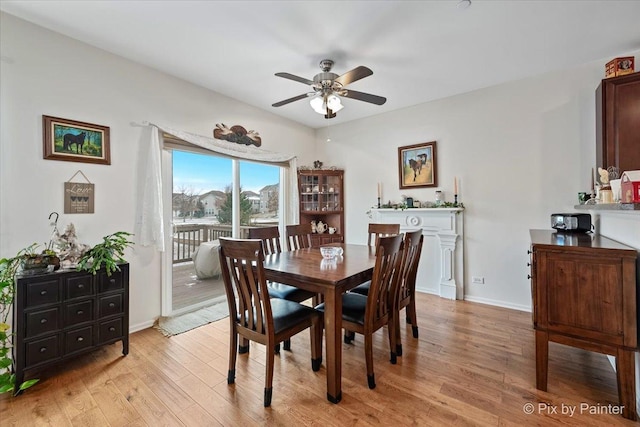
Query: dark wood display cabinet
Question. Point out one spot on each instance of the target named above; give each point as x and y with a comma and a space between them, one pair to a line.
62, 314
585, 294
322, 199
618, 122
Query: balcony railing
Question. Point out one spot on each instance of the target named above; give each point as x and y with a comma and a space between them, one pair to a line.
187, 237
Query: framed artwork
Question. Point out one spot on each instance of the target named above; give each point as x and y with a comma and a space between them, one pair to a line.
417, 165
75, 141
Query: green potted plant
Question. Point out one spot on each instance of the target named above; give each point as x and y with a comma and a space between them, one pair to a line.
9, 267
106, 254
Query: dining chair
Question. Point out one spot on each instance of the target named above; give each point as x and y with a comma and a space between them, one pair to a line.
257, 317
298, 236
405, 295
270, 237
380, 230
375, 232
366, 314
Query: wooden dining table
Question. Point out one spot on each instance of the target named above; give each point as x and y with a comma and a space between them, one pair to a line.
306, 269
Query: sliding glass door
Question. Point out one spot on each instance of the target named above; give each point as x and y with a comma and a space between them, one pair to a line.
204, 207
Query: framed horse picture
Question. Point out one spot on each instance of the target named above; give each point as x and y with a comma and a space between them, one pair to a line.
75, 141
417, 165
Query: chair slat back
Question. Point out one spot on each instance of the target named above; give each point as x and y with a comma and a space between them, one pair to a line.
385, 276
298, 236
412, 248
381, 230
242, 262
270, 237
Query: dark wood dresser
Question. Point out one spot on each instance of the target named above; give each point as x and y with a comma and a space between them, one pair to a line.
585, 295
62, 314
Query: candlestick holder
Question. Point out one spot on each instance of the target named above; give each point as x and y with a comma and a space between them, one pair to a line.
378, 202
455, 200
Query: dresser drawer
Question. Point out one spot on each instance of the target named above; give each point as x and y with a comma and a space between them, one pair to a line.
42, 350
78, 312
111, 330
42, 321
110, 283
78, 339
81, 286
110, 305
43, 292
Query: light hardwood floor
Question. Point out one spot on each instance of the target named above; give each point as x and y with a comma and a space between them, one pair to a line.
472, 365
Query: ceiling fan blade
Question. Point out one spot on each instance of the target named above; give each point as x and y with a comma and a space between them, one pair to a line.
286, 101
295, 78
354, 75
366, 97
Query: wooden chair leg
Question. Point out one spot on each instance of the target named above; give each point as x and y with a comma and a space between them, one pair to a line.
391, 329
287, 345
349, 336
316, 344
233, 348
411, 312
244, 346
398, 338
368, 355
268, 380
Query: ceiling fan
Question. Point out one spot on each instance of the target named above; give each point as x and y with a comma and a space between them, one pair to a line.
328, 87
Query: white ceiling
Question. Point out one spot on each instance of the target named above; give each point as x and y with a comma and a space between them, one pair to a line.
418, 50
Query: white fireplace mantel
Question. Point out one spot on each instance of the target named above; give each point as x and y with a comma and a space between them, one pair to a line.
441, 268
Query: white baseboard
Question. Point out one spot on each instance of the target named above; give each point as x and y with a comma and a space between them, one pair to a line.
480, 300
141, 326
498, 303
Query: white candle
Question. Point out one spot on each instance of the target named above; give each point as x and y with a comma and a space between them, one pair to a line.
379, 190
455, 185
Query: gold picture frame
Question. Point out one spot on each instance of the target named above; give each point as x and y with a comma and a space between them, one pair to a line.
417, 165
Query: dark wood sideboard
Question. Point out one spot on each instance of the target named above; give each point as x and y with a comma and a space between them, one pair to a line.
585, 294
66, 313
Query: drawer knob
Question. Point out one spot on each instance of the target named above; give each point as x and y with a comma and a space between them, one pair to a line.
112, 281
43, 321
43, 349
43, 293
80, 339
112, 329
528, 264
80, 312
529, 252
81, 286
528, 276
111, 305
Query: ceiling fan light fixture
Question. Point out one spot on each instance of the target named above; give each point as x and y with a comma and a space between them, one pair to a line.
334, 103
327, 105
318, 105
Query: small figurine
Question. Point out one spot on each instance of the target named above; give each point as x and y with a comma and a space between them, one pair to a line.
604, 176
317, 164
67, 246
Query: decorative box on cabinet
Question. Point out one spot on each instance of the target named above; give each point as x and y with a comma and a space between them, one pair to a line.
322, 199
584, 291
62, 314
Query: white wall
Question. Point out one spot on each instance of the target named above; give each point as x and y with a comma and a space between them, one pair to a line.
520, 150
43, 72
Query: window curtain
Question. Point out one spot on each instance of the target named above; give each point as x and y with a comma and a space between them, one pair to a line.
150, 224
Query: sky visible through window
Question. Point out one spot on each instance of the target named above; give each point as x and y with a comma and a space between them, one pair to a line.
201, 173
